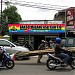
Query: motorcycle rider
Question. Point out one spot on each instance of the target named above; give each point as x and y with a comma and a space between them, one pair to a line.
1, 52
59, 52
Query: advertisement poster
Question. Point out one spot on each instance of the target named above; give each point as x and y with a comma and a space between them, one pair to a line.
70, 19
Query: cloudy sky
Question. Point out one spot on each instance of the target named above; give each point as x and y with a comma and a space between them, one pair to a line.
40, 9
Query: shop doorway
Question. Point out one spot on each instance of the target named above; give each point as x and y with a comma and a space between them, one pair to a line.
37, 40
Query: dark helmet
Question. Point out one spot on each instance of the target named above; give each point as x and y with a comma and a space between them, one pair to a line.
58, 40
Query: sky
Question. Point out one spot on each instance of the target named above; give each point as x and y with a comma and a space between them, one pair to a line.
30, 13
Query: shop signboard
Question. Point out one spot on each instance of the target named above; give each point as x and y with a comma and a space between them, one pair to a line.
54, 22
41, 22
36, 28
70, 19
32, 22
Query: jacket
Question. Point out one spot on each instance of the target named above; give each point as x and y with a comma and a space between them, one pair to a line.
58, 49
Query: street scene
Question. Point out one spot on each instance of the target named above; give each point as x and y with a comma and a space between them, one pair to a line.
31, 67
37, 37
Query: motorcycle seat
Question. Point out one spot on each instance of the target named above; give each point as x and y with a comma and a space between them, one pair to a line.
56, 57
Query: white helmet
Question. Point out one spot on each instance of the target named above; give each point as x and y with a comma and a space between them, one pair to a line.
42, 41
1, 49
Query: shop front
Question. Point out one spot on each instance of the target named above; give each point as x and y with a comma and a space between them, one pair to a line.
34, 33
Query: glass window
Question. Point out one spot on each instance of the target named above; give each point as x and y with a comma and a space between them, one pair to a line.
4, 43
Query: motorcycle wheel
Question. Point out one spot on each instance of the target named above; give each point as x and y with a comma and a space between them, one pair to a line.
9, 64
50, 61
72, 65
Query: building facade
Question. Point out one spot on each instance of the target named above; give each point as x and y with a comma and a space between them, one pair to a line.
34, 31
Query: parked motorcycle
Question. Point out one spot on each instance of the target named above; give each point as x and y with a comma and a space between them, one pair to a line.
29, 47
53, 61
7, 61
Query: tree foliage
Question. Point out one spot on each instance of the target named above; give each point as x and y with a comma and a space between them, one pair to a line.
12, 14
12, 17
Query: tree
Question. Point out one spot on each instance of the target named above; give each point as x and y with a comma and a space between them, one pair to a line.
12, 14
9, 15
4, 29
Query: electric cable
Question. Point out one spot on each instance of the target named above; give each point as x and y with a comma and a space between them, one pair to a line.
41, 6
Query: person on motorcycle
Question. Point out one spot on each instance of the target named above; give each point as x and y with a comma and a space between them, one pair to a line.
1, 52
60, 52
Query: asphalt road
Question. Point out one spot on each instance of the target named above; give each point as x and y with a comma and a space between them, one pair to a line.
31, 67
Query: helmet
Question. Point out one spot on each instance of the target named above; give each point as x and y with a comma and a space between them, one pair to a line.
26, 42
1, 49
58, 40
42, 41
50, 41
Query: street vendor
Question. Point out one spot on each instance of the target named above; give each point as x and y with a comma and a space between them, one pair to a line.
41, 47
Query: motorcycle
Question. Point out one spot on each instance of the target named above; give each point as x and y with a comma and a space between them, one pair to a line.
53, 61
6, 61
29, 47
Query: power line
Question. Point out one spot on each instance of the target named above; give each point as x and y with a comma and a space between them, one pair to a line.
35, 5
39, 3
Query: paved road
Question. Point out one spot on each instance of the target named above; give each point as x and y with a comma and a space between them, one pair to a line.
31, 67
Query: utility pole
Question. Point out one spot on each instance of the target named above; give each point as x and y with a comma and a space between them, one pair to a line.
1, 19
65, 26
1, 11
7, 3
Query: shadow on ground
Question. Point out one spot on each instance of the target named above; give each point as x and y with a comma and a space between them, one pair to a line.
64, 69
4, 69
42, 63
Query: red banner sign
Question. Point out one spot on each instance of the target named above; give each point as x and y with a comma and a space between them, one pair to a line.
70, 18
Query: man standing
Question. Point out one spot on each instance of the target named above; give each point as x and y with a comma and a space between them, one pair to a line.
41, 47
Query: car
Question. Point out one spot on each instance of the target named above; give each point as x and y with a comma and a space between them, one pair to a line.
11, 48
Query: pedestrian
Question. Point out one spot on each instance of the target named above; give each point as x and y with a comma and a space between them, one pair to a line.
51, 44
41, 47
